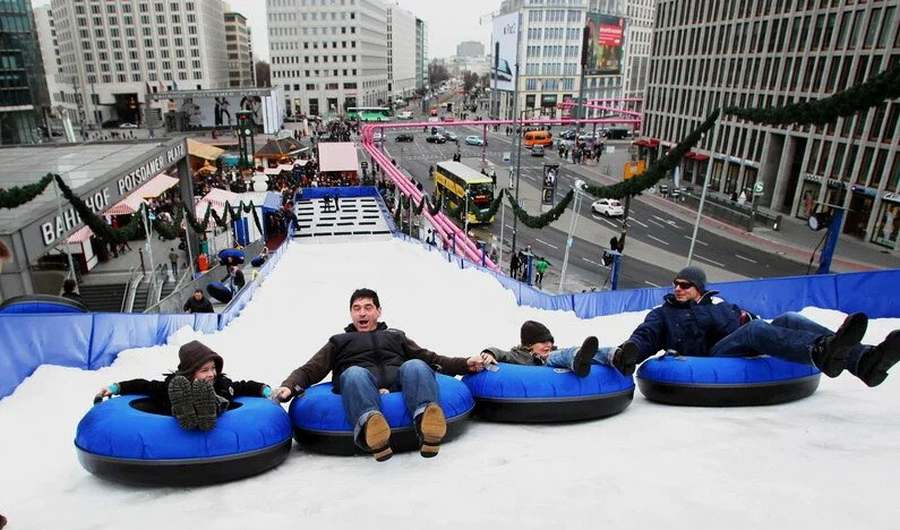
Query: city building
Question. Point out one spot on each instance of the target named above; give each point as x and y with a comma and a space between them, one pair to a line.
638, 42
63, 98
240, 51
549, 54
715, 54
401, 49
470, 48
421, 55
328, 57
23, 92
119, 52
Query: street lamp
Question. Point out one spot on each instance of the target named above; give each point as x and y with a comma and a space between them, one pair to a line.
519, 134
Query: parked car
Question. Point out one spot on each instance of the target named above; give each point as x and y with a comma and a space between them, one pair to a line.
537, 150
127, 125
404, 137
608, 207
448, 118
405, 115
451, 137
568, 134
475, 140
436, 138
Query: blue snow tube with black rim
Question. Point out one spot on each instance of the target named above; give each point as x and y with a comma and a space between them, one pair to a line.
320, 423
127, 439
41, 303
725, 381
231, 256
540, 394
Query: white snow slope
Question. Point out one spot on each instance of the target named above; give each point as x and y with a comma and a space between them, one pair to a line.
829, 461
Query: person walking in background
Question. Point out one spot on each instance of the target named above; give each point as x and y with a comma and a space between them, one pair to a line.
540, 267
173, 261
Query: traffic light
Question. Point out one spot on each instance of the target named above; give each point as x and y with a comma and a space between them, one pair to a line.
246, 126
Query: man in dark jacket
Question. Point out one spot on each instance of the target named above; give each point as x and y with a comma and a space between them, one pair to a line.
369, 359
692, 322
69, 291
198, 303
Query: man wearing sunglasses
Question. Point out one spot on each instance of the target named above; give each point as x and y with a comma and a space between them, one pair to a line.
691, 321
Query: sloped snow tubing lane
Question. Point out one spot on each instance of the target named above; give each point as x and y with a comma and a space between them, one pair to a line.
725, 381
320, 423
124, 440
540, 394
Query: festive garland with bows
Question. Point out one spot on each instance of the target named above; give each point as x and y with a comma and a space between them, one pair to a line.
135, 228
657, 171
882, 87
19, 195
540, 221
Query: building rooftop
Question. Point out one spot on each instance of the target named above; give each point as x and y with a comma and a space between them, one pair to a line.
79, 165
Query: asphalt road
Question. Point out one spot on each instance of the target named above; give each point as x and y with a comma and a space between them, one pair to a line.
647, 224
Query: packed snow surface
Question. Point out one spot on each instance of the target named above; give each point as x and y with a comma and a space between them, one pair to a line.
829, 461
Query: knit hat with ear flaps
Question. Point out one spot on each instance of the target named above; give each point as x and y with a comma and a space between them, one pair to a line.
533, 332
195, 354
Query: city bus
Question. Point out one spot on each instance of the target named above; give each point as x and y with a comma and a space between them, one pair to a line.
454, 180
369, 113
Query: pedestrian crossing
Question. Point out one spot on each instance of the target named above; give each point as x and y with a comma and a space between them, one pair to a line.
355, 216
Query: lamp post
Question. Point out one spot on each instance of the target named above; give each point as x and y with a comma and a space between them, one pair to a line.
518, 153
576, 204
712, 150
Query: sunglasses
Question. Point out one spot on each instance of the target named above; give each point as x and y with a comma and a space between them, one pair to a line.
683, 285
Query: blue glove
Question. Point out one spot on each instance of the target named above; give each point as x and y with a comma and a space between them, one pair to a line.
266, 391
113, 388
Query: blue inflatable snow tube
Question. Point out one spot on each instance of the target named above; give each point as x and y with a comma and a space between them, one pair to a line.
725, 381
41, 303
258, 261
540, 394
218, 292
231, 256
124, 439
320, 423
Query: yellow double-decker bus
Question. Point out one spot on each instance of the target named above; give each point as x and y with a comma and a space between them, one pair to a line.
454, 181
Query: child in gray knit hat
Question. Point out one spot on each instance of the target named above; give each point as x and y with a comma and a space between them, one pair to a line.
536, 347
196, 393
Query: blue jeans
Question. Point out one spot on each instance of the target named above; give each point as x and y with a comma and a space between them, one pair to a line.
565, 357
790, 336
359, 392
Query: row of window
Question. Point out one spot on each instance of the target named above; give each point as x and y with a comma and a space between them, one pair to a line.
554, 15
704, 11
314, 30
314, 86
126, 7
552, 51
829, 31
293, 59
316, 73
137, 78
311, 16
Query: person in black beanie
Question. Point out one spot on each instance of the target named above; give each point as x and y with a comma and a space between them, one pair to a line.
693, 321
536, 347
196, 393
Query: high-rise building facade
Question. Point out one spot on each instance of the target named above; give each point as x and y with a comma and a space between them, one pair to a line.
64, 99
401, 34
713, 54
118, 51
549, 54
22, 89
638, 42
238, 46
470, 48
421, 54
328, 56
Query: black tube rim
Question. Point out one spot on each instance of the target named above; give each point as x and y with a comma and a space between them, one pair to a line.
182, 461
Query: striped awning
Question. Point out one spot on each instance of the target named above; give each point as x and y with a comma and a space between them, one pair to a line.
81, 235
150, 189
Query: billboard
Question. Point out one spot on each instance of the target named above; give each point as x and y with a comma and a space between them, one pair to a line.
605, 36
505, 44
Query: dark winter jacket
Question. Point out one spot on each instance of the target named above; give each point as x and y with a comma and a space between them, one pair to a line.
516, 355
158, 391
690, 328
198, 306
381, 352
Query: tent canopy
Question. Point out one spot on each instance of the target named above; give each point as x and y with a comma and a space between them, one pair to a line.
204, 151
337, 156
150, 189
280, 148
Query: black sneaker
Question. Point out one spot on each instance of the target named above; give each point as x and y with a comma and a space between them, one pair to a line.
376, 436
875, 363
206, 404
431, 426
830, 353
581, 364
624, 359
182, 399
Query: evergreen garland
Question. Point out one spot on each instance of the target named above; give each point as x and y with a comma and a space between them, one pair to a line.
859, 98
485, 216
544, 219
655, 172
19, 195
434, 208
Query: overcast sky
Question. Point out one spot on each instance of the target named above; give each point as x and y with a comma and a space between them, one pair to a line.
449, 22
